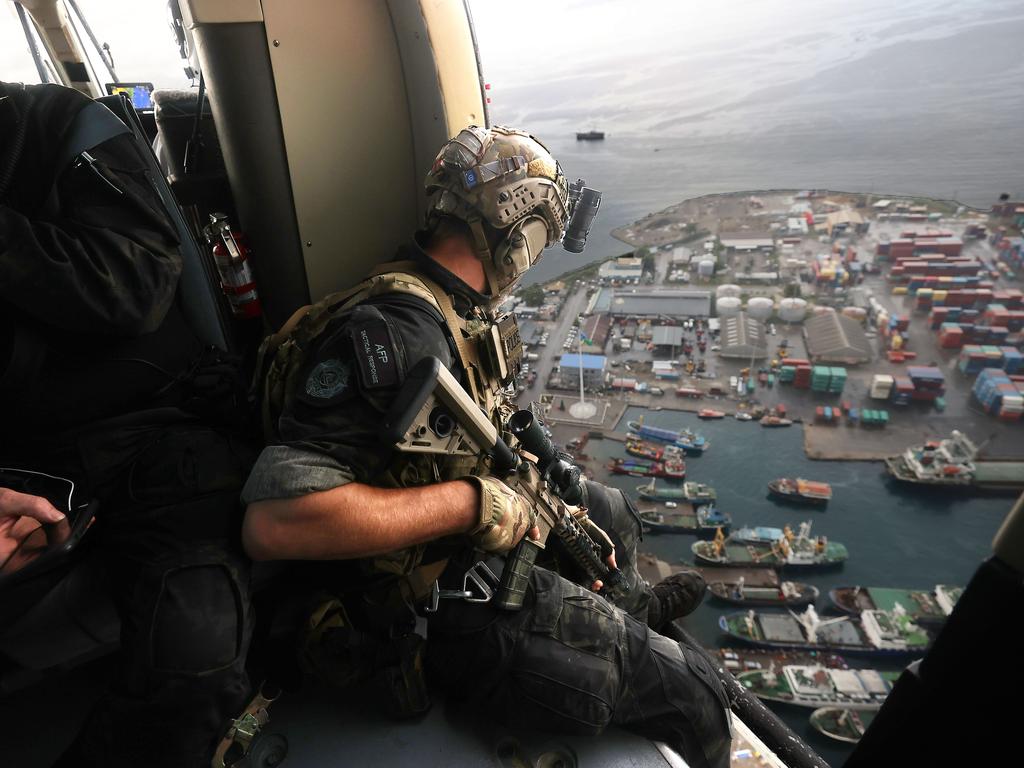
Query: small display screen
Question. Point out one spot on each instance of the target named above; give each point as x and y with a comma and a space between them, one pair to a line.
141, 94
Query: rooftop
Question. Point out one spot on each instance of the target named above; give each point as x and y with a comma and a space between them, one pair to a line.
654, 303
590, 362
835, 338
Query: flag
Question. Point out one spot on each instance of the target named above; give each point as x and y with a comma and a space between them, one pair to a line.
584, 338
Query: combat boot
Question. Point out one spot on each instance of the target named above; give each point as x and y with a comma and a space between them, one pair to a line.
674, 597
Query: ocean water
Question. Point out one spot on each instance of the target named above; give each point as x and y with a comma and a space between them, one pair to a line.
895, 536
914, 97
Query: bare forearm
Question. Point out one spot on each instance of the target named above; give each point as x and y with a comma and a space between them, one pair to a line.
357, 520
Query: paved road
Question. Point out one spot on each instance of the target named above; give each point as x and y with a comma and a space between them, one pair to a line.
557, 331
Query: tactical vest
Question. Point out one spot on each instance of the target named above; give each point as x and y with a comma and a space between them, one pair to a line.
488, 353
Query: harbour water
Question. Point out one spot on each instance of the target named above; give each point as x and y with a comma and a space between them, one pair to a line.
896, 537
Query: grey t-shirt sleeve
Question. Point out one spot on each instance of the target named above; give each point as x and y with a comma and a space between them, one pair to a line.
285, 472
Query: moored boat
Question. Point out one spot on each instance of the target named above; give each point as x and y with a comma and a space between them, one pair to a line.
799, 550
695, 493
815, 686
739, 659
930, 607
688, 440
800, 491
775, 421
842, 724
760, 534
788, 593
673, 469
710, 413
699, 519
743, 416
643, 449
875, 633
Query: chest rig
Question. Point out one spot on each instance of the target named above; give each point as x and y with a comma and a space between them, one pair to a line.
488, 354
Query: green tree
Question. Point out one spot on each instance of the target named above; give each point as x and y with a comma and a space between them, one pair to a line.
533, 295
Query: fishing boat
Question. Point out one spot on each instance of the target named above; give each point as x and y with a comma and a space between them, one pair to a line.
928, 607
710, 413
842, 724
737, 659
815, 686
800, 491
788, 593
743, 416
695, 493
791, 550
673, 469
775, 421
688, 518
881, 634
953, 463
689, 441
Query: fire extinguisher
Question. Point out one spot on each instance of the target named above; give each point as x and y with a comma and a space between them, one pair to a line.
231, 254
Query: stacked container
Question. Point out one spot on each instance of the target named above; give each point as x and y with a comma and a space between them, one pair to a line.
902, 390
881, 386
999, 394
929, 383
951, 336
820, 377
974, 358
837, 380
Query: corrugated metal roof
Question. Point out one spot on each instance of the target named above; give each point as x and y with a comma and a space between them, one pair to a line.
667, 336
652, 303
836, 338
743, 337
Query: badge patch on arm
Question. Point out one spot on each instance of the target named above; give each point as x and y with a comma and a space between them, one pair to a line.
328, 379
375, 354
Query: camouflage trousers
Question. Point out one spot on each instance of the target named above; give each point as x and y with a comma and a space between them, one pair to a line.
572, 661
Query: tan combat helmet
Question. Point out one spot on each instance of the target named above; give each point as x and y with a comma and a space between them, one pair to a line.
506, 179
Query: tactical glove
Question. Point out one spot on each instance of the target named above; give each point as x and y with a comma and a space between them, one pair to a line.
505, 516
595, 532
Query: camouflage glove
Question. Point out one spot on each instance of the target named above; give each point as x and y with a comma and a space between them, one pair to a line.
505, 516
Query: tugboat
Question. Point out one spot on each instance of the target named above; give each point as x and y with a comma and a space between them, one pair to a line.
789, 551
842, 724
924, 607
881, 634
788, 593
815, 685
701, 519
800, 491
775, 421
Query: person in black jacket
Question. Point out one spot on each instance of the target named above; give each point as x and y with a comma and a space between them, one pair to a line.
103, 381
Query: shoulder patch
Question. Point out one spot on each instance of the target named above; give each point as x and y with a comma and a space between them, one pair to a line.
328, 379
375, 353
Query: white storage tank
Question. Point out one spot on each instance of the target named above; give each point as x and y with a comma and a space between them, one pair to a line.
760, 307
706, 268
820, 310
792, 310
728, 306
728, 290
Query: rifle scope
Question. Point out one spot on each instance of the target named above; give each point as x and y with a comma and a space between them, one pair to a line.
563, 474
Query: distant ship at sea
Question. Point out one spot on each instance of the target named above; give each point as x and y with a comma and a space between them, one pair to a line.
590, 136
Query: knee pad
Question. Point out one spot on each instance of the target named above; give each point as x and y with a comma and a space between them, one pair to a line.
201, 617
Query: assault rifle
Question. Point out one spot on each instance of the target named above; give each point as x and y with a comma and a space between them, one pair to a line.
433, 414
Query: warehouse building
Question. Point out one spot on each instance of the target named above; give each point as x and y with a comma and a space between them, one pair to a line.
667, 339
659, 303
743, 337
835, 338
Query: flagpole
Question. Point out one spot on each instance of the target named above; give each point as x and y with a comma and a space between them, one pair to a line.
579, 353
